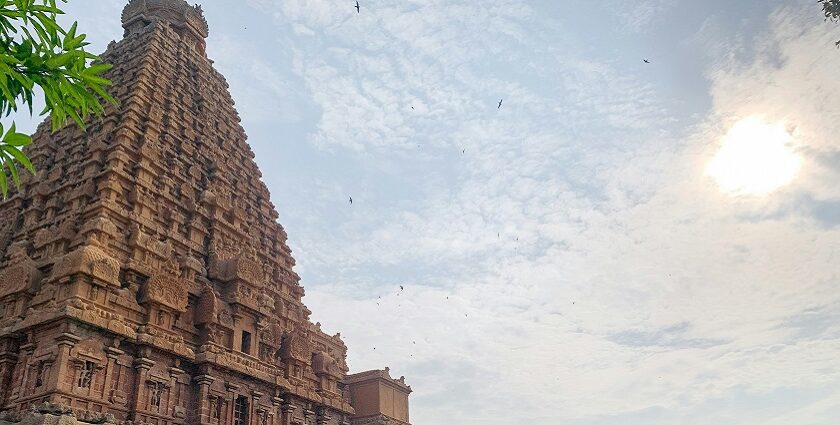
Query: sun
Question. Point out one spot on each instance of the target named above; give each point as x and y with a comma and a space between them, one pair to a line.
755, 158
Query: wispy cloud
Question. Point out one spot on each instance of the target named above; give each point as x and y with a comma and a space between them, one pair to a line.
565, 258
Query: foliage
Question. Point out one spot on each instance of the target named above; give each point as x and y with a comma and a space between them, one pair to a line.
831, 9
35, 51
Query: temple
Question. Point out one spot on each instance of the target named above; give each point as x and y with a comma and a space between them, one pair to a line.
144, 277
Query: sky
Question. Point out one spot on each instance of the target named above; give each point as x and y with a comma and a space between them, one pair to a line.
571, 258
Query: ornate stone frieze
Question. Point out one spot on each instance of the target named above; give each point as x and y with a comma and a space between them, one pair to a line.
20, 272
167, 290
297, 346
91, 261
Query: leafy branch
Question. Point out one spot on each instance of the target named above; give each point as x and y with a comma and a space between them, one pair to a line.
35, 51
831, 9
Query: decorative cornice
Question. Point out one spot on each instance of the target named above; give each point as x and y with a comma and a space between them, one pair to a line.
383, 375
176, 12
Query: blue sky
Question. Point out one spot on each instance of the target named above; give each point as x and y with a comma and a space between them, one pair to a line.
566, 259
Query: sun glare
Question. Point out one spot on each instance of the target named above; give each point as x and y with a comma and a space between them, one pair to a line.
755, 158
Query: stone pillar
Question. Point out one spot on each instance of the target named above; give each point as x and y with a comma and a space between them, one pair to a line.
253, 418
203, 407
288, 411
323, 416
143, 365
24, 385
8, 360
171, 401
277, 403
308, 416
65, 342
232, 390
113, 354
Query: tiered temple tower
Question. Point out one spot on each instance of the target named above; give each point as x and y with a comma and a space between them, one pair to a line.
144, 277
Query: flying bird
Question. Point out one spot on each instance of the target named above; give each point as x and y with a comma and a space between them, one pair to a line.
358, 9
401, 288
646, 61
412, 107
351, 200
500, 104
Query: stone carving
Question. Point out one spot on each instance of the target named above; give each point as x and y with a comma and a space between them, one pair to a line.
225, 318
20, 272
99, 231
178, 13
91, 261
297, 346
90, 349
161, 249
272, 335
167, 290
324, 364
241, 266
175, 343
191, 268
208, 307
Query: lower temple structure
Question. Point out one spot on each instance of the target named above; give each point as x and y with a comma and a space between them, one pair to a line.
144, 278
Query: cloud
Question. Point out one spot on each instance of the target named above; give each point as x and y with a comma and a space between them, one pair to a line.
565, 258
639, 16
587, 267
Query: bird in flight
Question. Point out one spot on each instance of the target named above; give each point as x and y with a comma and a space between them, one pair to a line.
500, 104
358, 9
646, 61
412, 107
351, 200
401, 288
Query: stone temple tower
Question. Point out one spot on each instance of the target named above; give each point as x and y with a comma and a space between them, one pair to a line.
144, 278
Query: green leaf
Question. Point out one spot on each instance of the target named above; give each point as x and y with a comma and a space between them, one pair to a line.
13, 169
19, 156
60, 60
3, 187
91, 79
97, 69
105, 95
17, 139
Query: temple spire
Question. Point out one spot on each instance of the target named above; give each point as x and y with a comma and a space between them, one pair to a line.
187, 20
